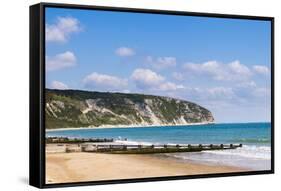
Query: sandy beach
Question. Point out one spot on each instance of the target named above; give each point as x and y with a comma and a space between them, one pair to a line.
80, 166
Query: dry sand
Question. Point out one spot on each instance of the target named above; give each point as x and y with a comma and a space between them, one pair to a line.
79, 167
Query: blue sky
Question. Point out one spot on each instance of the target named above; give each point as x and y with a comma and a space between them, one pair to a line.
221, 64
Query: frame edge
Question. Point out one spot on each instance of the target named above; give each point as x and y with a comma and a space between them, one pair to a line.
37, 56
35, 170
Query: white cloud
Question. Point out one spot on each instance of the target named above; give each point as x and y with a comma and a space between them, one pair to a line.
126, 91
162, 62
60, 61
125, 52
249, 84
220, 93
237, 69
58, 85
208, 95
250, 90
62, 29
105, 82
211, 68
242, 94
233, 71
146, 79
259, 69
169, 86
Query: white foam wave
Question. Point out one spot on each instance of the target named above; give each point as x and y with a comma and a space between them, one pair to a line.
129, 142
256, 152
249, 157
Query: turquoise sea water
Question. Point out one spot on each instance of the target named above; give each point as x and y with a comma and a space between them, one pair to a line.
255, 137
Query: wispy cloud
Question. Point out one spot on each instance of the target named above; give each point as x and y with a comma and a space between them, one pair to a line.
247, 84
169, 86
61, 30
178, 76
161, 62
260, 69
58, 85
223, 96
60, 61
125, 52
220, 93
234, 71
104, 82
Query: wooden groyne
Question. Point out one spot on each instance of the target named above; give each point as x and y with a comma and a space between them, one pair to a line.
104, 145
149, 149
76, 140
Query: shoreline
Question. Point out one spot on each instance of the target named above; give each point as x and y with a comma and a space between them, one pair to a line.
141, 126
66, 167
126, 126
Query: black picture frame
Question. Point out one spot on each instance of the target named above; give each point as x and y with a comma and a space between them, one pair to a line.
37, 95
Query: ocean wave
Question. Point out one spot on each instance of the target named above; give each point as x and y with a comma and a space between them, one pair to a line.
129, 142
256, 152
253, 152
249, 157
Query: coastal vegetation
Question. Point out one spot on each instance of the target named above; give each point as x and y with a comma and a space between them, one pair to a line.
76, 108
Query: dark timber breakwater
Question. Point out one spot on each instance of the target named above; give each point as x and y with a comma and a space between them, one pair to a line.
109, 146
149, 149
76, 140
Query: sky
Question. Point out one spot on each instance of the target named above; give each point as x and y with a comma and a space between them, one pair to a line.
221, 64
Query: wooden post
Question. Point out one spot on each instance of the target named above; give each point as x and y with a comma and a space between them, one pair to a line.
222, 146
83, 148
67, 150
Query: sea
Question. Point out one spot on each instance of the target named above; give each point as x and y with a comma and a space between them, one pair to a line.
255, 153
